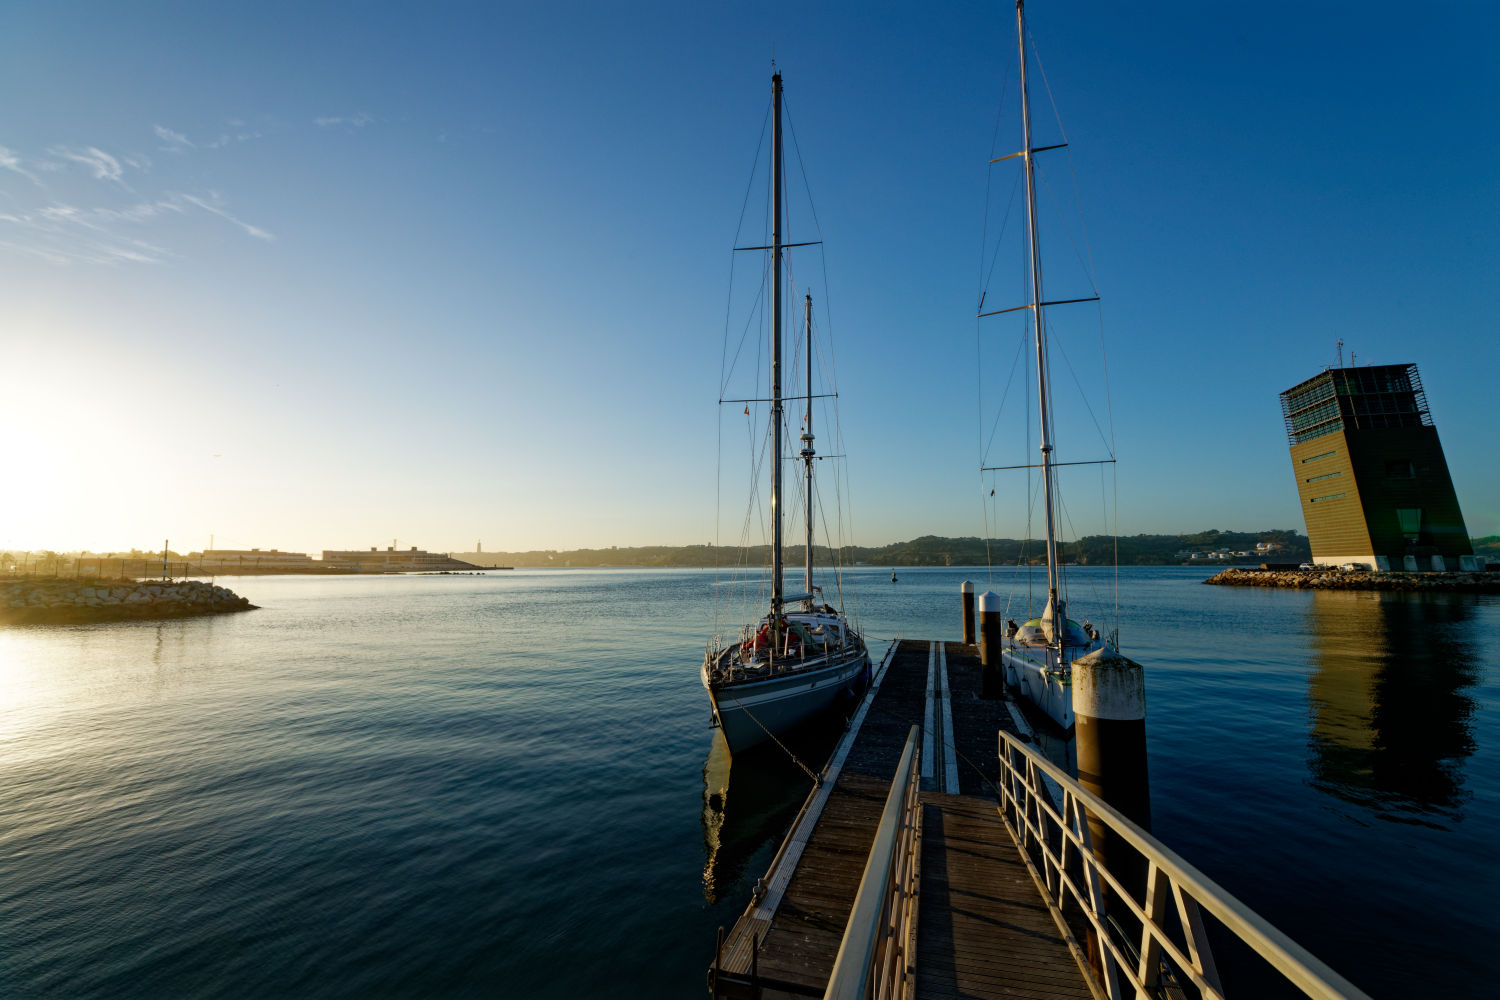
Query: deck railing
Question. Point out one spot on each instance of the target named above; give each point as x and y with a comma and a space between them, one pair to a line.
876, 955
1141, 948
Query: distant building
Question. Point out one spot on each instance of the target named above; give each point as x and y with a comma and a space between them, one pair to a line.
250, 560
389, 560
1371, 477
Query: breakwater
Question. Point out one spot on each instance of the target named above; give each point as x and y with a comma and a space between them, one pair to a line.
1338, 579
53, 601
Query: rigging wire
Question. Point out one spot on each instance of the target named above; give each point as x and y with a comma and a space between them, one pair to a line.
1015, 188
989, 180
1093, 281
758, 301
995, 427
985, 275
1082, 394
1063, 222
726, 368
739, 228
843, 485
1077, 196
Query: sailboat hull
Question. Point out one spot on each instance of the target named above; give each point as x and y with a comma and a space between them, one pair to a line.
749, 711
1033, 672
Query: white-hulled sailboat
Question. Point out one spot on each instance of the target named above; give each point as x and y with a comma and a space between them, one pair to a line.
793, 663
1037, 656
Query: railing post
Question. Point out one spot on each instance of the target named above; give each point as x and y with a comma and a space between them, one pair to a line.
1149, 969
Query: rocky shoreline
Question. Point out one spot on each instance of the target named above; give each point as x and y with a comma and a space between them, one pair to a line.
1338, 579
78, 602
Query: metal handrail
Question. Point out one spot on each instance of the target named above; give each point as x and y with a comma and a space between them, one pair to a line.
1062, 843
874, 956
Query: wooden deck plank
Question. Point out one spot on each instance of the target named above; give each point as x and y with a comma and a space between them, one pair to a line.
984, 930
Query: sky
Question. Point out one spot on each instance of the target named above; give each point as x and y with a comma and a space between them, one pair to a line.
318, 276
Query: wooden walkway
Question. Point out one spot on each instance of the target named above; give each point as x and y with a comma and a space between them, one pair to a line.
982, 928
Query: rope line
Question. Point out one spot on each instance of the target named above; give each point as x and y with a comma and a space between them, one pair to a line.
817, 779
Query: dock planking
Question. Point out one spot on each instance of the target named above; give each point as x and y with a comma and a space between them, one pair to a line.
982, 929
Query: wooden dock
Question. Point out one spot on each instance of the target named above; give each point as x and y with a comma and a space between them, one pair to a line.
982, 927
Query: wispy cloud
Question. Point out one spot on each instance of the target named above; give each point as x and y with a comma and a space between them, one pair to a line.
357, 121
103, 166
65, 234
66, 220
255, 231
10, 161
142, 211
62, 233
176, 142
226, 139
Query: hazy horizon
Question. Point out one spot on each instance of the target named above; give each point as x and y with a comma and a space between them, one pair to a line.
404, 545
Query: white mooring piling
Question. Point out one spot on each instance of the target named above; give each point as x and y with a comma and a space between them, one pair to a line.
1109, 711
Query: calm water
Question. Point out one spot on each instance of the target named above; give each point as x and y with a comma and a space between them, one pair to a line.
496, 785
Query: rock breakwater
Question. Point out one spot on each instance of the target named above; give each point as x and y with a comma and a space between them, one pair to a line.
1338, 579
50, 601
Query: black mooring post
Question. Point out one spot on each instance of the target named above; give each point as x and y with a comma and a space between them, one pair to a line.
966, 590
990, 632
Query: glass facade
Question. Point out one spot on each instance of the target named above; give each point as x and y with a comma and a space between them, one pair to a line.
1374, 396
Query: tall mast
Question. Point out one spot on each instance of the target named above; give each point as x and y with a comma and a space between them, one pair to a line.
807, 450
1041, 333
776, 589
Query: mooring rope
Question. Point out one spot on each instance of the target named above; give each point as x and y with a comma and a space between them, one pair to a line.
816, 779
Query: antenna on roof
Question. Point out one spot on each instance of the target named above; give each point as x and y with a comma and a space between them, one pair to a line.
1341, 352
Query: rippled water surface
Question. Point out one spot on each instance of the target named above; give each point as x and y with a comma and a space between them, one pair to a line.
505, 785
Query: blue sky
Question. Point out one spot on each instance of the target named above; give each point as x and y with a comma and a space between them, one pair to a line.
316, 275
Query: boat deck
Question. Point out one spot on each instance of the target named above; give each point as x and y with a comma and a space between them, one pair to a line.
982, 928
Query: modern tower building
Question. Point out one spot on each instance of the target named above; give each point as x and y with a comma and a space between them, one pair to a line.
1371, 476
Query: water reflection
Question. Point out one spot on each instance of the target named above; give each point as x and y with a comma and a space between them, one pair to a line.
1392, 722
749, 803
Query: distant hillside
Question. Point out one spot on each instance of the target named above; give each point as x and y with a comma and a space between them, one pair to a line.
930, 550
1488, 546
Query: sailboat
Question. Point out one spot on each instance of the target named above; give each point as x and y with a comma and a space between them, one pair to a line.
1037, 655
788, 667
